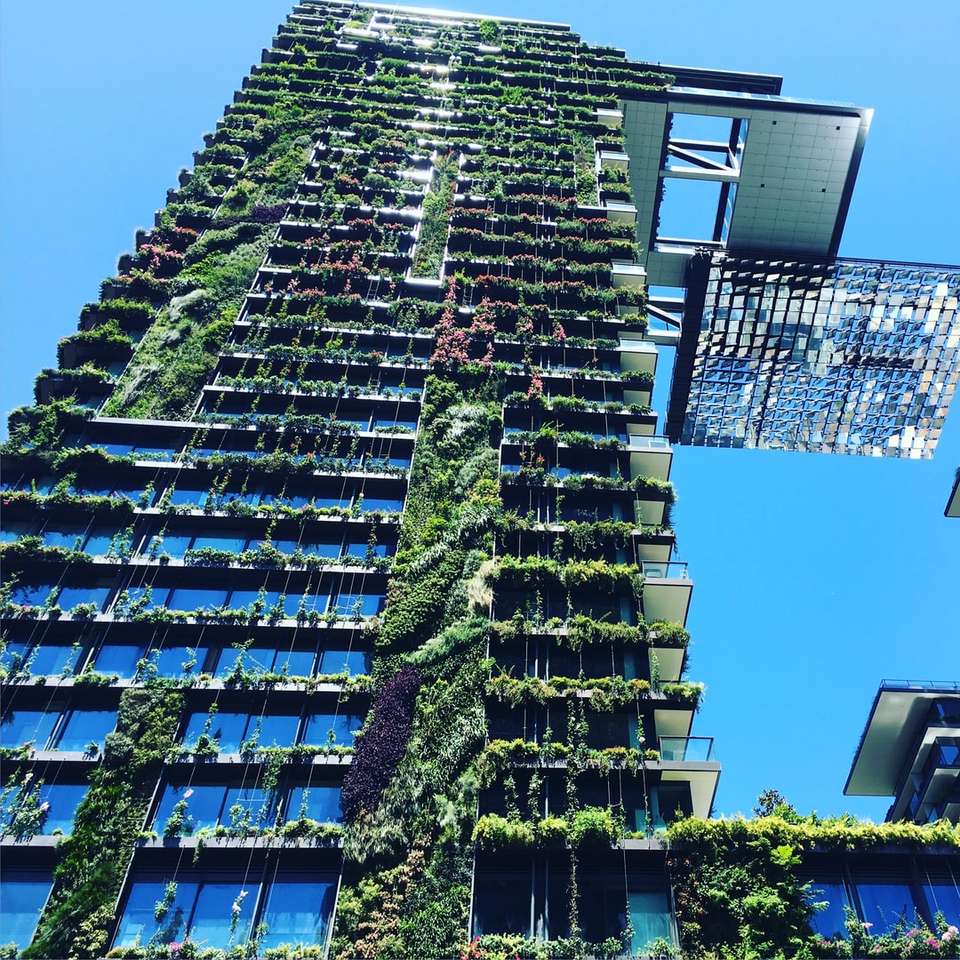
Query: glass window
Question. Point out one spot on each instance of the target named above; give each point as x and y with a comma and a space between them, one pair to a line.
284, 546
502, 903
649, 912
277, 730
13, 531
22, 896
941, 894
226, 728
312, 603
19, 727
564, 662
100, 540
117, 449
50, 659
389, 423
186, 598
187, 495
316, 548
14, 655
119, 658
63, 798
71, 596
343, 502
157, 596
885, 901
246, 805
345, 661
204, 803
357, 604
85, 727
89, 490
172, 545
673, 797
244, 599
361, 549
828, 895
295, 663
128, 493
324, 728
140, 924
70, 537
153, 453
298, 911
252, 660
234, 542
30, 594
320, 802
381, 505
607, 730
213, 923
603, 904
177, 659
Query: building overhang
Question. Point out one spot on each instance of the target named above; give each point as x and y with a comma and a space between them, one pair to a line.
702, 777
895, 726
787, 172
824, 355
953, 504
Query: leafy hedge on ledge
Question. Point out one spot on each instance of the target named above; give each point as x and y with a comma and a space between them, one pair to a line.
738, 893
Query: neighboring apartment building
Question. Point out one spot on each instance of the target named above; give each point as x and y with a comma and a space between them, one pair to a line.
910, 750
366, 420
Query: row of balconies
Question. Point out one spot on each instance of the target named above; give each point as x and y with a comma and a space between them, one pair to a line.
546, 651
667, 591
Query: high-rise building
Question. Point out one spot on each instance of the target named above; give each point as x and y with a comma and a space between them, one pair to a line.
340, 610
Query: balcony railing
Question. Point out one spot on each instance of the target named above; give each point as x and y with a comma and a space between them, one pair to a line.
666, 570
649, 443
924, 685
695, 749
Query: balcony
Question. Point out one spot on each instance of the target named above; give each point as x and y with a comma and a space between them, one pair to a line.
610, 118
698, 770
621, 212
906, 720
650, 456
667, 660
638, 355
613, 160
628, 276
666, 591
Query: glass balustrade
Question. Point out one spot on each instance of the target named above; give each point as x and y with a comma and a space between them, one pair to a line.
695, 749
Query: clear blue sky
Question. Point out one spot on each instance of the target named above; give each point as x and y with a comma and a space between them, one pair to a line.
816, 576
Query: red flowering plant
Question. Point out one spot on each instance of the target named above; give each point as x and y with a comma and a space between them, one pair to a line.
452, 349
179, 238
482, 332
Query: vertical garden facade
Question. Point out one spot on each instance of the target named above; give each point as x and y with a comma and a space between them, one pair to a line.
339, 613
